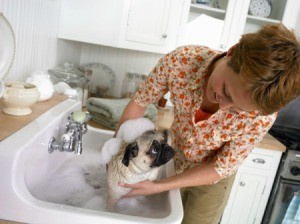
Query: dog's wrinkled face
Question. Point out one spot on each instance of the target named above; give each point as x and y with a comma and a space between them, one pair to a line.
149, 150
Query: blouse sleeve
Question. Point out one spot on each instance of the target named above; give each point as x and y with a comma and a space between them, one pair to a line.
160, 78
235, 151
155, 86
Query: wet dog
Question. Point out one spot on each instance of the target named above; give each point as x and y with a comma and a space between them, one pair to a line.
137, 161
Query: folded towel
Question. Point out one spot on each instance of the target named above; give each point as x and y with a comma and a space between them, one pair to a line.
108, 111
103, 121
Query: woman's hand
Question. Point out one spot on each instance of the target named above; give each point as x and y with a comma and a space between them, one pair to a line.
198, 175
142, 188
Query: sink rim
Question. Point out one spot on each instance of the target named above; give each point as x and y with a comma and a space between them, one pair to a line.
23, 198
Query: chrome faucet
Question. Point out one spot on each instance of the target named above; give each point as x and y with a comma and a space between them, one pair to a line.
71, 140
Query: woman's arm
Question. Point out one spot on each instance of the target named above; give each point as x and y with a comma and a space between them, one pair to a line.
199, 175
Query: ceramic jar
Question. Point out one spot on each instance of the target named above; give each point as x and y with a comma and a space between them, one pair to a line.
43, 83
18, 97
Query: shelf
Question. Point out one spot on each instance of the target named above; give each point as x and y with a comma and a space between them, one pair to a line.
256, 19
208, 8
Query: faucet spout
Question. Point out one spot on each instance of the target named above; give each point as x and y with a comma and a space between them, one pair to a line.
71, 140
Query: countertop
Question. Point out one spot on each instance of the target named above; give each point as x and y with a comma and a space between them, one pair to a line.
11, 123
165, 119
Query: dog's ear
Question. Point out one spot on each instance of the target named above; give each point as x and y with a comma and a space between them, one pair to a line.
165, 154
131, 151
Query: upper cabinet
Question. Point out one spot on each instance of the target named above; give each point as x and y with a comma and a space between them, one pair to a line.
220, 23
147, 25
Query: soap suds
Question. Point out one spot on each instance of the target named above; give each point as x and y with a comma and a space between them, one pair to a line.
82, 181
85, 185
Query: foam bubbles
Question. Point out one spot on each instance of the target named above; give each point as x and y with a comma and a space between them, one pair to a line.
82, 180
132, 129
128, 132
81, 184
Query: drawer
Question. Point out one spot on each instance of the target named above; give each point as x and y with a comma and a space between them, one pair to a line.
259, 161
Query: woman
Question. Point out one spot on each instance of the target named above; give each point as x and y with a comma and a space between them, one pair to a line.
224, 103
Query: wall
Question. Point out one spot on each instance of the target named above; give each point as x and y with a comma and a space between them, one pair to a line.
35, 24
120, 61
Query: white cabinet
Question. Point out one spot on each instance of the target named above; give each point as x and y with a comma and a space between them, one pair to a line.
148, 21
146, 25
91, 21
231, 18
252, 187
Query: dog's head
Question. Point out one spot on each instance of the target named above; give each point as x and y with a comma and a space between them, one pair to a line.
151, 149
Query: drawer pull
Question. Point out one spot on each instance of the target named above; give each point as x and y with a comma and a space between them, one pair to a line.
258, 160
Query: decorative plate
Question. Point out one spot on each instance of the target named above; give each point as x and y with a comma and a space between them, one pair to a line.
103, 77
261, 8
7, 46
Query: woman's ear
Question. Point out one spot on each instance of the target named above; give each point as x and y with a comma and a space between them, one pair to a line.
230, 51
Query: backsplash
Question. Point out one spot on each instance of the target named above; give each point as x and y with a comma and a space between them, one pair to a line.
35, 24
120, 61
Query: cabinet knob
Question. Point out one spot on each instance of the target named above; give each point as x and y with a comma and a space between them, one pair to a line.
242, 183
164, 35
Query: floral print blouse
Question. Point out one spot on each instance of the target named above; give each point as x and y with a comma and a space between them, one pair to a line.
226, 138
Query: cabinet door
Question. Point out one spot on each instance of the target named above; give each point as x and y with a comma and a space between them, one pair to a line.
242, 206
91, 21
152, 25
147, 21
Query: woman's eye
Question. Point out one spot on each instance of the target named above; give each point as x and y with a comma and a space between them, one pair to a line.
225, 93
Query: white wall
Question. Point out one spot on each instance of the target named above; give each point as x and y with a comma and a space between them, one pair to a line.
35, 24
120, 61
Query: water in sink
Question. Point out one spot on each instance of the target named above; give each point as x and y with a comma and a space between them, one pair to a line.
48, 188
81, 181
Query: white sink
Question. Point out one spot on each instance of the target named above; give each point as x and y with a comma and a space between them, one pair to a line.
62, 187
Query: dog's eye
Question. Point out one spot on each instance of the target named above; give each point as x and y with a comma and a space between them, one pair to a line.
154, 150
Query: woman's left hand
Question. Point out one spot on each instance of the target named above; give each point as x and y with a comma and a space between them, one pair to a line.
142, 188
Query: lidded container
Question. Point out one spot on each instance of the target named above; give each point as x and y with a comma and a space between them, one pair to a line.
72, 76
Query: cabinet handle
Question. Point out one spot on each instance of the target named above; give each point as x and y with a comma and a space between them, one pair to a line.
164, 35
258, 160
242, 183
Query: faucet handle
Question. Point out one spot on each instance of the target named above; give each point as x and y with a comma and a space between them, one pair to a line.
80, 117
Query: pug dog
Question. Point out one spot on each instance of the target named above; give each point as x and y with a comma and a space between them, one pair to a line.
137, 161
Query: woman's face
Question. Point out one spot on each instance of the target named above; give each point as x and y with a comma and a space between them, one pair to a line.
225, 87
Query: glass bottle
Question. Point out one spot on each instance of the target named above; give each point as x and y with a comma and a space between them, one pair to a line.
130, 84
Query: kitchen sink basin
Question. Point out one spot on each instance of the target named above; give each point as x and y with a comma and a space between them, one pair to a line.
62, 187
